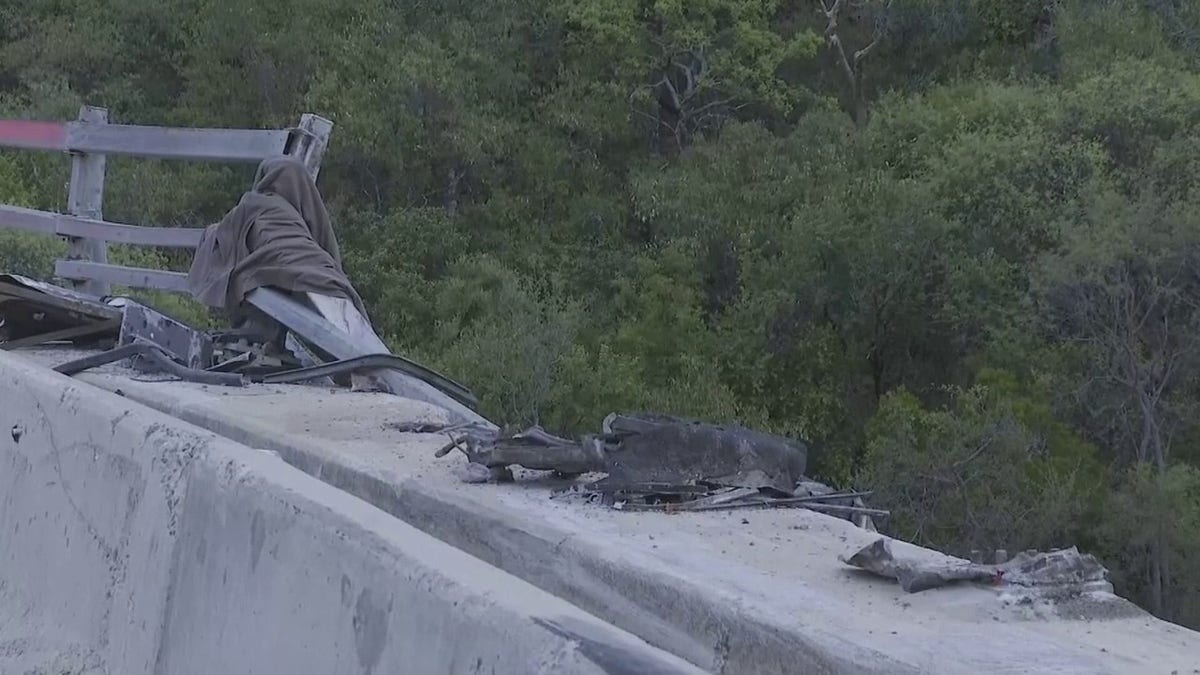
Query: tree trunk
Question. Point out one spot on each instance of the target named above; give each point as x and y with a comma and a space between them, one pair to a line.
1151, 450
862, 111
1160, 573
1156, 599
453, 179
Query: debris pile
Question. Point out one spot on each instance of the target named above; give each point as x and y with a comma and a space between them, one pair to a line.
649, 462
662, 463
260, 349
273, 265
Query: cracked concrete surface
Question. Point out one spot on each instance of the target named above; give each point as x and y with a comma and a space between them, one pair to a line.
733, 592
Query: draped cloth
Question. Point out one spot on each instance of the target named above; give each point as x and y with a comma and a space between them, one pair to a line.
278, 235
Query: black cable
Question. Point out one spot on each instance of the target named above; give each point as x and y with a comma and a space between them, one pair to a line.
158, 357
371, 361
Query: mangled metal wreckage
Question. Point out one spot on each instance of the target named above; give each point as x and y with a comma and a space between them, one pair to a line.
272, 265
662, 463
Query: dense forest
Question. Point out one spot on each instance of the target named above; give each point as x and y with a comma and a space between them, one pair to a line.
953, 244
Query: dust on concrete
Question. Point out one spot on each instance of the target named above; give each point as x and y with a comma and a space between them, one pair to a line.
1095, 607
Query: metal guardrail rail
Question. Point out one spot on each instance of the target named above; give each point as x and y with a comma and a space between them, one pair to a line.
89, 140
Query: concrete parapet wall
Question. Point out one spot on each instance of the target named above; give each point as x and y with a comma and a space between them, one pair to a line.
131, 542
737, 592
90, 501
707, 625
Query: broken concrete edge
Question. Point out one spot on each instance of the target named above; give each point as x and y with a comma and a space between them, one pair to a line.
142, 543
709, 627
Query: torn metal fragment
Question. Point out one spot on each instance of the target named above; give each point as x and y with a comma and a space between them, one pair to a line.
142, 324
1065, 567
532, 448
34, 313
678, 451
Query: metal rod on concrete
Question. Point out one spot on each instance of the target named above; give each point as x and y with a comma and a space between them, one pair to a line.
374, 361
313, 327
155, 355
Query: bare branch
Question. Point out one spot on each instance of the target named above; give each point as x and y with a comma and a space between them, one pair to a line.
852, 68
878, 37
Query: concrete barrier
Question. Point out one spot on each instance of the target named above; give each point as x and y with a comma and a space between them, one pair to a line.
732, 593
131, 542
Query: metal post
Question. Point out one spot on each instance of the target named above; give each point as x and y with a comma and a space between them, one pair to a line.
314, 138
85, 199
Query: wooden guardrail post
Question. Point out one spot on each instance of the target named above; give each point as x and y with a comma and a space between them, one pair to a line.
85, 199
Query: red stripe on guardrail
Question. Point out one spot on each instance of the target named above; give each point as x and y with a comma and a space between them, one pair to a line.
34, 135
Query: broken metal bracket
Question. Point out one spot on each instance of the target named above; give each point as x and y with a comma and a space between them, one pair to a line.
183, 343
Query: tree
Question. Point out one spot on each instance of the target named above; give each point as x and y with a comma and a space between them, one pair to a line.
686, 66
853, 61
1152, 523
992, 469
1127, 291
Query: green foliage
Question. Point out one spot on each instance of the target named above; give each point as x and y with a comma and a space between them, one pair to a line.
13, 187
992, 470
29, 255
492, 330
20, 252
591, 383
1131, 106
1014, 188
1095, 33
398, 258
663, 326
738, 187
739, 38
1146, 506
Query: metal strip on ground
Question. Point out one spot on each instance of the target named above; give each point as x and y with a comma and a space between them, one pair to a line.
444, 384
311, 326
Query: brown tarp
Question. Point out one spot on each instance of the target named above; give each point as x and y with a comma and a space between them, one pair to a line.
278, 235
